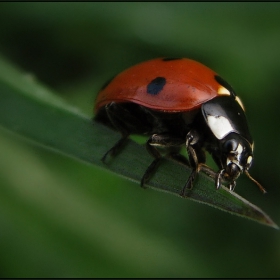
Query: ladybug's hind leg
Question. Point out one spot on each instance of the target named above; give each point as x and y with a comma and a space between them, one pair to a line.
112, 110
116, 148
127, 118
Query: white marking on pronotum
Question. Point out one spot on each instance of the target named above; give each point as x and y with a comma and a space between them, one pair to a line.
240, 103
223, 91
249, 159
219, 125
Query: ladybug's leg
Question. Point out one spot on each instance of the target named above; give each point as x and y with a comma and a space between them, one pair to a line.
153, 166
159, 140
117, 147
194, 163
196, 156
211, 173
173, 144
111, 110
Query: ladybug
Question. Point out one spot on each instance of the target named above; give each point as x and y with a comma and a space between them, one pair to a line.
179, 102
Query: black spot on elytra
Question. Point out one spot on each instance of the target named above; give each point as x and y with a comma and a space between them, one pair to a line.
171, 58
225, 84
156, 85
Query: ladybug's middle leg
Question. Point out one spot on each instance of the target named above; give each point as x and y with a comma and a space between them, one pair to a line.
196, 157
153, 166
164, 141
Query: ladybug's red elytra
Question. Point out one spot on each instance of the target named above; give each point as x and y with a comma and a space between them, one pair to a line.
176, 102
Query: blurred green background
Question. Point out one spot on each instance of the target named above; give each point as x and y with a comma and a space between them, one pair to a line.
61, 218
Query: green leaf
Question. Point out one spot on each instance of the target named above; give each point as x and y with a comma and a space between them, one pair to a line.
32, 111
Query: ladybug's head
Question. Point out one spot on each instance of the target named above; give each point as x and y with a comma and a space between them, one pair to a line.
236, 158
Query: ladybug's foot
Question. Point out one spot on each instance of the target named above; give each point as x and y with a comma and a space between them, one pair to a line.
219, 177
153, 166
149, 172
193, 157
116, 148
189, 183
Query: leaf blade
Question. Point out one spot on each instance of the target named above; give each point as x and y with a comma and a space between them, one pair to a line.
31, 111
